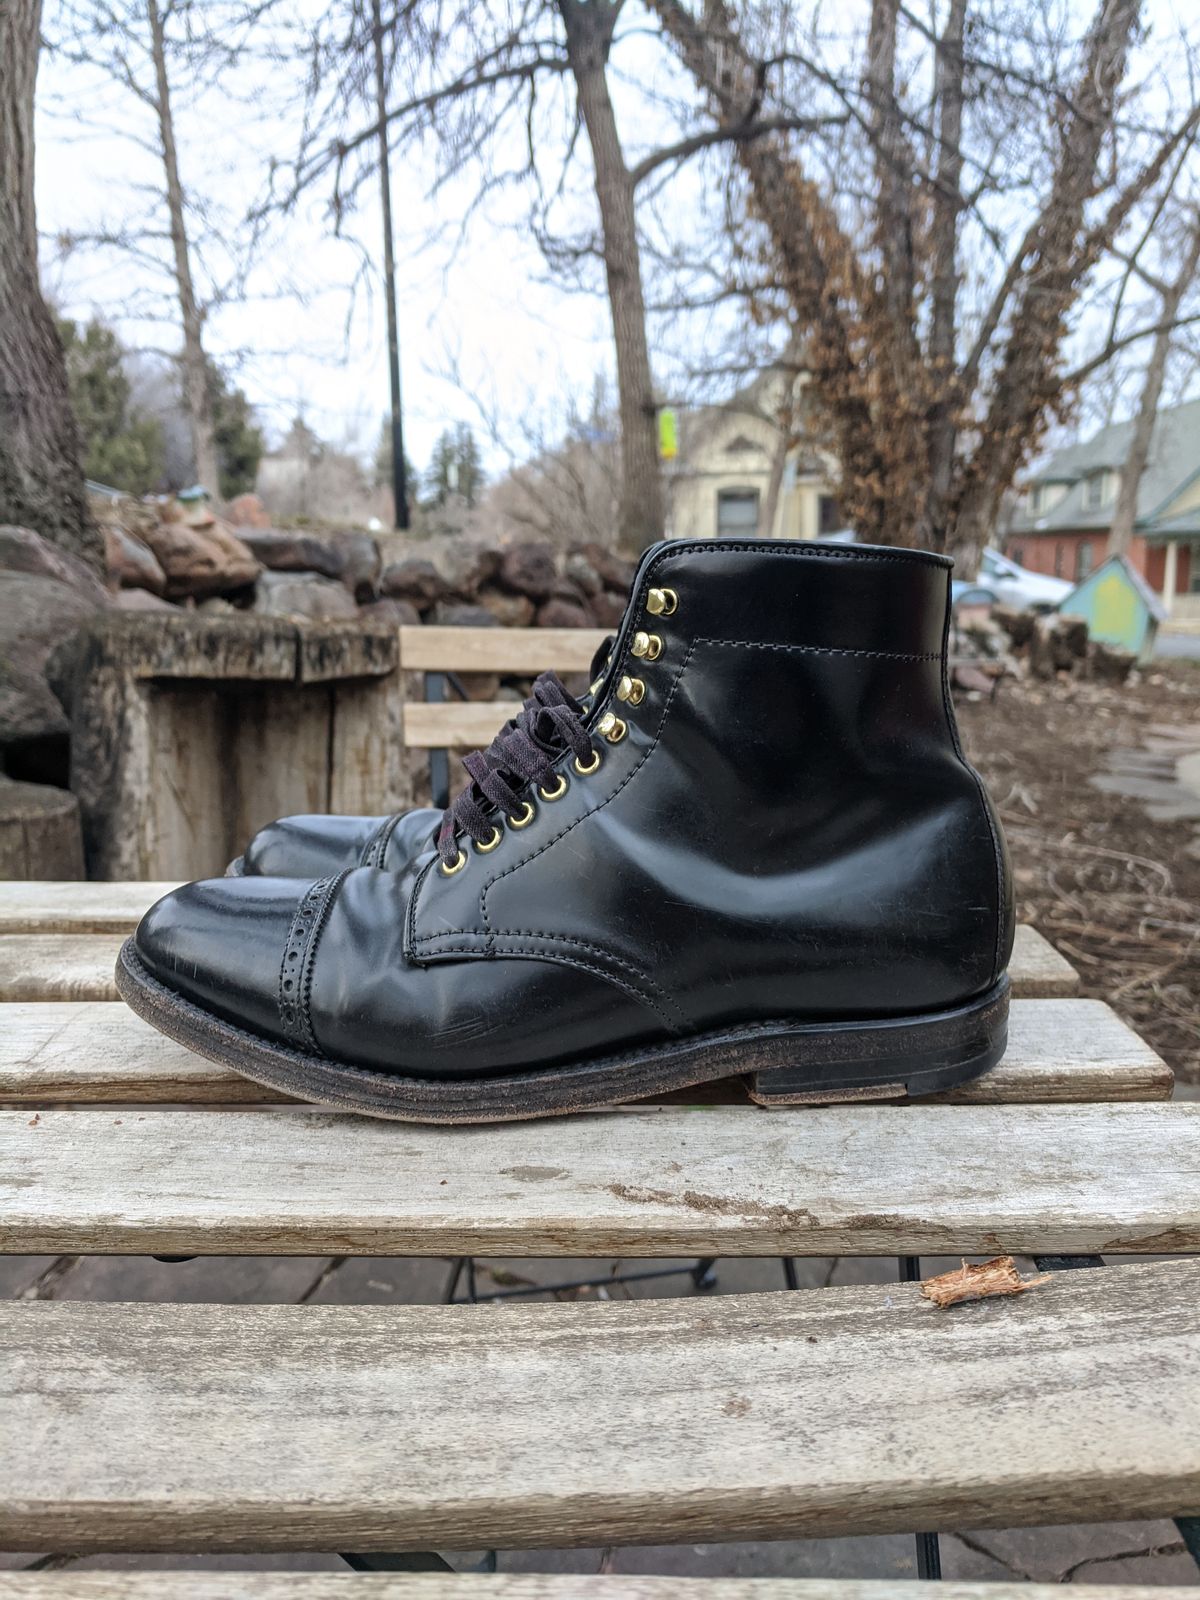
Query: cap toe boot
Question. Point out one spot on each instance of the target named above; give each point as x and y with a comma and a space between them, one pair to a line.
759, 851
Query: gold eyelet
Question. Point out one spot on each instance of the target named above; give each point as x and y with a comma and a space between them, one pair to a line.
586, 772
662, 602
490, 843
647, 645
612, 728
557, 792
459, 863
522, 818
631, 689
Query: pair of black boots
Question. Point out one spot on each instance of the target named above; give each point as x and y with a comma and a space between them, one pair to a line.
755, 849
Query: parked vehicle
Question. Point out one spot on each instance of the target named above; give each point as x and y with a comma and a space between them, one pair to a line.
1014, 585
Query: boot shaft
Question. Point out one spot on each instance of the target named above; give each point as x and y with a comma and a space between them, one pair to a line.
782, 821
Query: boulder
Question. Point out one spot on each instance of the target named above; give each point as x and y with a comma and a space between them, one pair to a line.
466, 567
29, 710
247, 511
614, 571
22, 550
395, 613
131, 563
140, 600
362, 564
293, 552
509, 610
303, 594
608, 609
528, 569
36, 615
560, 613
582, 572
1018, 625
199, 555
418, 582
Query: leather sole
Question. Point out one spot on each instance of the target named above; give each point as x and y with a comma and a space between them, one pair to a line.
784, 1063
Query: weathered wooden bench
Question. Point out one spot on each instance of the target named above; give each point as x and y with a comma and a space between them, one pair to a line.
856, 1410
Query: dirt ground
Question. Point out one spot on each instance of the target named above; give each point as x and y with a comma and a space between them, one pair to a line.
1115, 889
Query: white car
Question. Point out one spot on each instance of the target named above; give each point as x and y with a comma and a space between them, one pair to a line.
1014, 585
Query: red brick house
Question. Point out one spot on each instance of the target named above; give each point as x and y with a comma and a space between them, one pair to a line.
1066, 510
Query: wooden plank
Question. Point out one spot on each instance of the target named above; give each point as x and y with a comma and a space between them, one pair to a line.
1059, 1050
1037, 970
169, 1427
465, 725
658, 1181
76, 907
159, 1585
523, 650
58, 966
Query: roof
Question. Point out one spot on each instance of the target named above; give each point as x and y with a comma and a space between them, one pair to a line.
1174, 459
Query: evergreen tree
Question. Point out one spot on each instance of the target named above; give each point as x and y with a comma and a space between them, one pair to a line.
455, 467
238, 438
121, 447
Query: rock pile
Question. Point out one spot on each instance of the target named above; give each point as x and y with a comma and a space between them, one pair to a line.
161, 552
986, 646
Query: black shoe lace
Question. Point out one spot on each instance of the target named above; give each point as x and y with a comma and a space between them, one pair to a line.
549, 724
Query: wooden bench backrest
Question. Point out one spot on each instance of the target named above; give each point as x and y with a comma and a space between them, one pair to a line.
521, 652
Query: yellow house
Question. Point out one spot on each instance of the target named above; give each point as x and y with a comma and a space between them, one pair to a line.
739, 472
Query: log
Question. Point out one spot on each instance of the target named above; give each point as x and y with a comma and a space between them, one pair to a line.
41, 837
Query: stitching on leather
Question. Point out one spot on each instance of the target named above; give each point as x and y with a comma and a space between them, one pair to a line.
296, 963
800, 550
376, 846
644, 988
824, 650
567, 961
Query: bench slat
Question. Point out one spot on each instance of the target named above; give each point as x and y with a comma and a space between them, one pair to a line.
1058, 1050
76, 907
169, 1427
79, 966
524, 650
531, 1586
661, 1181
465, 725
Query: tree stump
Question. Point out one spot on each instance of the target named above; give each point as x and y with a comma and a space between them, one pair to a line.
40, 833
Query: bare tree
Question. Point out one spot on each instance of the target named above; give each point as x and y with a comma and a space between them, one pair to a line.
932, 254
142, 45
479, 78
41, 484
1171, 293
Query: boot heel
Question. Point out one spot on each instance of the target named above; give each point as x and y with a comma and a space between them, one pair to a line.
889, 1058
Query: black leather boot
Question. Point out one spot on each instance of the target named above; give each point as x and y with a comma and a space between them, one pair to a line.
760, 851
311, 846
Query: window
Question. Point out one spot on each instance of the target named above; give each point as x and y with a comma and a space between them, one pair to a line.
1017, 552
737, 512
1059, 560
828, 519
1084, 556
1095, 491
1034, 499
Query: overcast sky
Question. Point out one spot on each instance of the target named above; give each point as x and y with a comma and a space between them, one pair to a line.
310, 337
484, 329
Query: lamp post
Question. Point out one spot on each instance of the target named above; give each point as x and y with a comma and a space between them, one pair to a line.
399, 477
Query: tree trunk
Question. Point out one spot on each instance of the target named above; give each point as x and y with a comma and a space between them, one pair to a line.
589, 29
41, 483
1125, 514
196, 398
